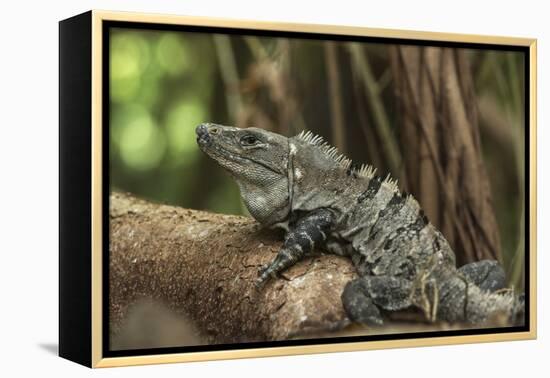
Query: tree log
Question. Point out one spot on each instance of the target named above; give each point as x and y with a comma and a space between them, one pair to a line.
203, 266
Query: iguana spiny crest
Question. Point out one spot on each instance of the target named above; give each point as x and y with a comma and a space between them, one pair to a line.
305, 186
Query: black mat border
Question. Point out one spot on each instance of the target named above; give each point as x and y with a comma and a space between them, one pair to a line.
107, 25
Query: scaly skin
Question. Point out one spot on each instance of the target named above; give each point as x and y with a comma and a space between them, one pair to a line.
304, 186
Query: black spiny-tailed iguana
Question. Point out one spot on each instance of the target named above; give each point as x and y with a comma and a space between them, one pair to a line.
303, 185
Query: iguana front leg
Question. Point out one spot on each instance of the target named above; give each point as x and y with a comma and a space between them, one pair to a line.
308, 231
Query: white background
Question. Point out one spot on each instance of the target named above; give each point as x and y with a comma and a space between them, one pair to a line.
29, 186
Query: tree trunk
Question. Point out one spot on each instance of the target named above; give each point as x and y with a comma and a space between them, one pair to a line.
203, 266
443, 162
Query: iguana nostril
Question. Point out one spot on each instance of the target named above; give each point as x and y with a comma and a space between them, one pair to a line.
201, 130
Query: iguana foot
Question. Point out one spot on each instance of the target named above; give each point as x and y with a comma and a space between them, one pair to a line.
488, 275
359, 305
263, 276
262, 269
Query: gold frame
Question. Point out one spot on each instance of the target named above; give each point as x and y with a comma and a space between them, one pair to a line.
97, 291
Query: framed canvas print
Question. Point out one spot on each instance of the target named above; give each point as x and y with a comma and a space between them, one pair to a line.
234, 189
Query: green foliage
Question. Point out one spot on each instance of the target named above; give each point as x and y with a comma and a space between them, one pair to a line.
159, 92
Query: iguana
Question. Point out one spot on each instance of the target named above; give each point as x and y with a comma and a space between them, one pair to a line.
306, 187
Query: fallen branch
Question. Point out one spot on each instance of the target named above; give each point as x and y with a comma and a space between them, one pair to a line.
203, 266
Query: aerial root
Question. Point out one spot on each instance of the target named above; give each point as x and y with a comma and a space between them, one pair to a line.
435, 302
428, 307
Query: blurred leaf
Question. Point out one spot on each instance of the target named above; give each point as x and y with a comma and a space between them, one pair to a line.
180, 127
129, 58
140, 141
171, 54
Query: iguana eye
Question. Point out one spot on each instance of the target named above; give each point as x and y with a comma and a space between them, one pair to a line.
249, 140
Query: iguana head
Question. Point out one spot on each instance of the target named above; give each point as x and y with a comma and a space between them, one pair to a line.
258, 161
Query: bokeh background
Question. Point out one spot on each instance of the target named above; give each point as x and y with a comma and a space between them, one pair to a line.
447, 122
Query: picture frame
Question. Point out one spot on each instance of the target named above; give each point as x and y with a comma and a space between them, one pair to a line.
86, 262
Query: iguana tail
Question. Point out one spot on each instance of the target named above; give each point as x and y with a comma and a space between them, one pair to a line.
459, 299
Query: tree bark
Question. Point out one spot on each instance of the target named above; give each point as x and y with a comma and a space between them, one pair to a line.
203, 266
443, 162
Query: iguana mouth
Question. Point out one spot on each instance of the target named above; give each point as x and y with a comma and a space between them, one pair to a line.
207, 144
229, 155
